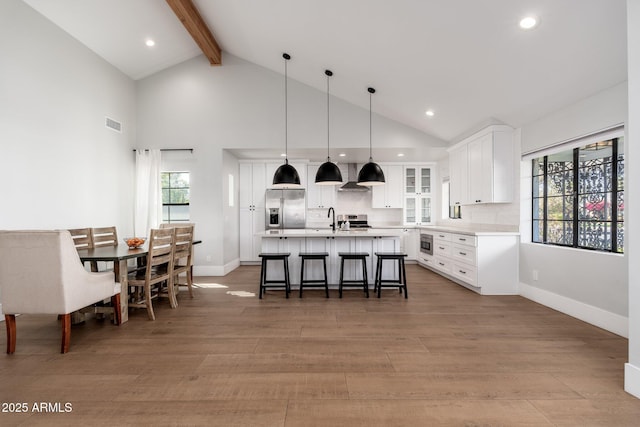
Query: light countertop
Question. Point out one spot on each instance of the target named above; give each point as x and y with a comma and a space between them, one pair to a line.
473, 230
327, 232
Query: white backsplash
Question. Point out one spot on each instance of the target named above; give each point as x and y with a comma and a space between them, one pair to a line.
355, 203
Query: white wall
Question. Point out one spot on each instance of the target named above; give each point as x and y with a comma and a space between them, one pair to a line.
241, 105
62, 168
65, 168
588, 285
632, 369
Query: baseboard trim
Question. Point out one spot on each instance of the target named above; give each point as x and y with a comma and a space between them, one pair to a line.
632, 379
216, 270
611, 322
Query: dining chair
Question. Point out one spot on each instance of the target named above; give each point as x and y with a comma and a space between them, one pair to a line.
183, 257
40, 274
158, 269
104, 236
83, 239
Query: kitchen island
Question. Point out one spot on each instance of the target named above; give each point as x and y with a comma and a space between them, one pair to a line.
295, 241
483, 259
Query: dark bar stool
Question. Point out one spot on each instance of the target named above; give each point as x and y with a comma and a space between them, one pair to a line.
401, 282
315, 283
357, 256
284, 283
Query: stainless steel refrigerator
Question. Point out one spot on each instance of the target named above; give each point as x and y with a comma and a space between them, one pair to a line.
285, 208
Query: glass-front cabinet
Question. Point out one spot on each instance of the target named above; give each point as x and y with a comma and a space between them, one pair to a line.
418, 194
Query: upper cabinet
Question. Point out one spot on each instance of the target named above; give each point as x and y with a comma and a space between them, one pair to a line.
253, 183
319, 196
481, 167
390, 194
418, 194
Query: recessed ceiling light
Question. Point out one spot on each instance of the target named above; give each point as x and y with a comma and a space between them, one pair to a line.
528, 22
150, 43
400, 154
283, 155
430, 113
342, 154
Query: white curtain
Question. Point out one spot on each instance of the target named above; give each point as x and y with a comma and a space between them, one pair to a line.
148, 201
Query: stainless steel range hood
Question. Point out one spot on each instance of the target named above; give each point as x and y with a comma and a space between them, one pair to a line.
352, 180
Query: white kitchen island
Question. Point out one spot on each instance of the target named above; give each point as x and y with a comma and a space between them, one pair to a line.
332, 242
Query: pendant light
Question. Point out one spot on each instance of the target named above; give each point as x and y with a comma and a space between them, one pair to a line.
328, 173
371, 173
286, 175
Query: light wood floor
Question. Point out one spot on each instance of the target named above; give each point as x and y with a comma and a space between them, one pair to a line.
444, 357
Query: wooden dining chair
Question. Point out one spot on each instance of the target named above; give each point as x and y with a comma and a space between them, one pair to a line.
183, 260
183, 257
159, 269
104, 236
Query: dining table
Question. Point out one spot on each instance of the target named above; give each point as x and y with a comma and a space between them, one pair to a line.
120, 256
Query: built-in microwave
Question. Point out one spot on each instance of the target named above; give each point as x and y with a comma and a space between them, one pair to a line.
426, 244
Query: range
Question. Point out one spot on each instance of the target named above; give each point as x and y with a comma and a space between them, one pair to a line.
355, 221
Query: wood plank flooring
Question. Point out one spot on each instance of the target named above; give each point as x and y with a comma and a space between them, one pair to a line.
444, 357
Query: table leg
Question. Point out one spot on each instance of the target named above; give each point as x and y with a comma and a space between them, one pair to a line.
120, 270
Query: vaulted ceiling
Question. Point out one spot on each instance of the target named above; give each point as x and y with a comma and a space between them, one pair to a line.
466, 60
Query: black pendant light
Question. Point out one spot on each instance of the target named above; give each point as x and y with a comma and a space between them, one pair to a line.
371, 173
328, 172
286, 175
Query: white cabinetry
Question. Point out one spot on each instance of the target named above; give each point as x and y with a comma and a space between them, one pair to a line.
319, 196
458, 176
418, 194
252, 215
485, 263
481, 167
410, 243
389, 195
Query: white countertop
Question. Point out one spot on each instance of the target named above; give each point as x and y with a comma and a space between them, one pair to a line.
327, 232
473, 230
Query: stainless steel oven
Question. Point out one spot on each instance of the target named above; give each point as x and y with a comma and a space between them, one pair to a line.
426, 243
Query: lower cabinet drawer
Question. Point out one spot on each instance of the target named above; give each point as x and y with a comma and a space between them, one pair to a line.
465, 254
443, 264
465, 272
426, 260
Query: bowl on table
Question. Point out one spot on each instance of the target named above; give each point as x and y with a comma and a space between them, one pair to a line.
134, 242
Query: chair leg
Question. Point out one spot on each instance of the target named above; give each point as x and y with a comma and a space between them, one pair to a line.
341, 277
287, 284
378, 285
10, 321
404, 280
301, 275
326, 280
66, 333
171, 289
190, 282
147, 297
117, 313
365, 279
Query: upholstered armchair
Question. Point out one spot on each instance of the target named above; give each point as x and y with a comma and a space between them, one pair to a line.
40, 273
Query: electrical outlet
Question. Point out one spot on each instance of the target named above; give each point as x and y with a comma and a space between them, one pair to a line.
534, 274
208, 258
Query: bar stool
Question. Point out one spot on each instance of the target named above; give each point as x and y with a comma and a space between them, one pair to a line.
264, 283
401, 282
315, 283
357, 256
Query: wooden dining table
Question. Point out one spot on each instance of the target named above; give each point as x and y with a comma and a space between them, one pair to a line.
120, 256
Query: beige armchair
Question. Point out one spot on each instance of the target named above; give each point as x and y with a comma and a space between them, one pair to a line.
40, 273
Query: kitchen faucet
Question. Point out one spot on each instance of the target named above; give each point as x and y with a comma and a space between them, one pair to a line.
333, 223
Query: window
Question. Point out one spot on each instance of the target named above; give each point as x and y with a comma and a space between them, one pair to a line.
175, 196
578, 197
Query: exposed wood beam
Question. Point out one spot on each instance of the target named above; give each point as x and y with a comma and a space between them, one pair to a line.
187, 13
